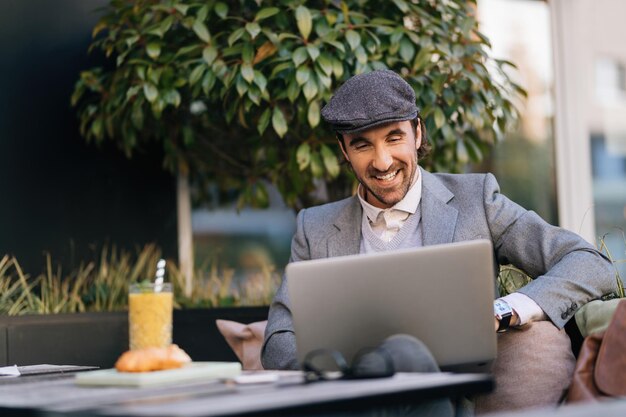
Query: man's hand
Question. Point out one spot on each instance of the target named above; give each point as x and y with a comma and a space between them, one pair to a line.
514, 321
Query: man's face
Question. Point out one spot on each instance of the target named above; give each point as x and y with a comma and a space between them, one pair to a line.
384, 160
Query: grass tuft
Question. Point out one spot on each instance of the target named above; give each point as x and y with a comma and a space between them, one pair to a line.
102, 284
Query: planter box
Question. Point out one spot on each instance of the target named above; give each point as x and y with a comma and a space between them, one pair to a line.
99, 338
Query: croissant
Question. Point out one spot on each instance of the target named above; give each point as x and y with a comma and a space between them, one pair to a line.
152, 359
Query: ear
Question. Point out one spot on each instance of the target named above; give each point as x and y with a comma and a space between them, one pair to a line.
418, 134
343, 150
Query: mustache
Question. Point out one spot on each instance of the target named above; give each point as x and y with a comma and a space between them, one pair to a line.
372, 172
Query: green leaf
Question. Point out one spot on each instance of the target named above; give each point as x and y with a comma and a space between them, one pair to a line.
310, 89
361, 55
422, 58
166, 24
304, 21
407, 50
201, 30
278, 122
247, 72
253, 29
448, 96
209, 53
196, 74
303, 74
96, 128
438, 81
324, 80
303, 156
221, 9
448, 133
313, 115
150, 92
265, 13
353, 38
254, 96
293, 91
401, 4
330, 161
234, 37
313, 51
172, 96
299, 56
208, 81
461, 152
264, 121
337, 68
336, 45
280, 67
182, 8
247, 55
440, 117
317, 169
141, 73
241, 86
203, 12
136, 116
154, 50
325, 64
130, 41
260, 80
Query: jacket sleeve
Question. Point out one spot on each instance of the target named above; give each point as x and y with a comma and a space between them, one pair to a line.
567, 271
279, 346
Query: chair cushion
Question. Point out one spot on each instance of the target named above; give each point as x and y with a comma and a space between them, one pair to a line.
534, 367
245, 340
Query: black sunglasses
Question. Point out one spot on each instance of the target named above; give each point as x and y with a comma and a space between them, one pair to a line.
317, 362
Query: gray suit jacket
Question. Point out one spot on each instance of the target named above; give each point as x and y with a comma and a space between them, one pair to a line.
567, 271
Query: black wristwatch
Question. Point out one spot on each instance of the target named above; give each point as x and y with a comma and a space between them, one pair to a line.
503, 313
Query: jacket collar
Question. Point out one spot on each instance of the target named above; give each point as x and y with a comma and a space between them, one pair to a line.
438, 219
347, 239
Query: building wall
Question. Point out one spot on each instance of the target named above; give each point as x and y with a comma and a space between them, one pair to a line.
57, 193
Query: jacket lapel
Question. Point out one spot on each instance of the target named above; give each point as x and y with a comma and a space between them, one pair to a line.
438, 217
347, 239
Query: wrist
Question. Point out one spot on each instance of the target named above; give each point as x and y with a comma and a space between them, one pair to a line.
504, 315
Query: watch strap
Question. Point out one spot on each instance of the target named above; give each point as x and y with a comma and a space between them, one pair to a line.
503, 313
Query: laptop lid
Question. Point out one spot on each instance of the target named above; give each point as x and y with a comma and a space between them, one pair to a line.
441, 294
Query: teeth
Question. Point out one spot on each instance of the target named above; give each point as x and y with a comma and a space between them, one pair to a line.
388, 176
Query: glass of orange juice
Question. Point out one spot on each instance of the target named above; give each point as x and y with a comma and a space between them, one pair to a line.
150, 309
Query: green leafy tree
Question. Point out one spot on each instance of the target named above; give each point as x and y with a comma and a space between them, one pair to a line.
233, 90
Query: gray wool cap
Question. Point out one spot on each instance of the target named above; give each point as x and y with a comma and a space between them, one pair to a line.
369, 100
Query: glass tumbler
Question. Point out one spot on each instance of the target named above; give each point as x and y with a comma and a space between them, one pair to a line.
150, 310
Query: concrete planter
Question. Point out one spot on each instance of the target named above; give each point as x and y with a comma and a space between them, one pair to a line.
99, 338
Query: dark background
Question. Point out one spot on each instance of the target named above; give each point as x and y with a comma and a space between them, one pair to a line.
58, 194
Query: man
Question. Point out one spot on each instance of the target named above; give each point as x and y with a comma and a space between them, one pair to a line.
399, 205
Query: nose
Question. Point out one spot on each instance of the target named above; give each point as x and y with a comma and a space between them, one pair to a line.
382, 159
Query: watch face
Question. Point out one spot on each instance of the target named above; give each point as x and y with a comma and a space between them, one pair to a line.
501, 308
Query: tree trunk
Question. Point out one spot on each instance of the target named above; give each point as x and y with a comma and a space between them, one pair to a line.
185, 234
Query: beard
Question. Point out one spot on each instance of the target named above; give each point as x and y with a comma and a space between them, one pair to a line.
392, 195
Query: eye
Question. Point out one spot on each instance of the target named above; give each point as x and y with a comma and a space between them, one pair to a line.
359, 146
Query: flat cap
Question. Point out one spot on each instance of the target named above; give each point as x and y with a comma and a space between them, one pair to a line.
369, 100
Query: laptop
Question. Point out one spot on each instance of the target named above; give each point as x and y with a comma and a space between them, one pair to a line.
442, 294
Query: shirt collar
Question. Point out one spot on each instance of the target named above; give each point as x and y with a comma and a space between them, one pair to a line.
408, 204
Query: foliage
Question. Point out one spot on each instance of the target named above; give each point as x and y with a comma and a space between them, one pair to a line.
233, 90
102, 285
510, 279
602, 247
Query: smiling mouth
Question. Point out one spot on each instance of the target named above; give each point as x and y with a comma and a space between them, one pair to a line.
387, 177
